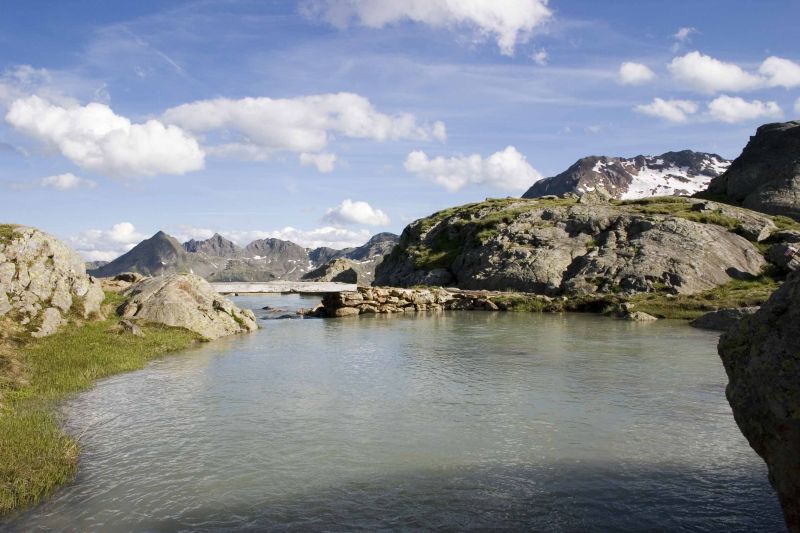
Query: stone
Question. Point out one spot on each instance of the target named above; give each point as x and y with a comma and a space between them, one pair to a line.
129, 277
130, 327
640, 316
51, 321
345, 311
762, 361
722, 319
187, 301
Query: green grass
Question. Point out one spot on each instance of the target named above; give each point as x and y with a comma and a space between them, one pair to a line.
6, 232
35, 455
681, 208
736, 293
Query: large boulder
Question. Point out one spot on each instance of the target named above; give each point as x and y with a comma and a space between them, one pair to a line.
559, 246
766, 177
762, 361
186, 301
42, 280
722, 319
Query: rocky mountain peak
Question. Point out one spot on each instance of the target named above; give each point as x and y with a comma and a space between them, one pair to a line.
217, 246
684, 173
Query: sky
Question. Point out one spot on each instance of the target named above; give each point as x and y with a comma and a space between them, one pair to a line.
326, 121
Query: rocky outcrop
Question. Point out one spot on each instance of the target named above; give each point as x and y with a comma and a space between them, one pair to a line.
216, 246
722, 319
766, 177
338, 270
763, 364
685, 172
42, 280
560, 246
186, 301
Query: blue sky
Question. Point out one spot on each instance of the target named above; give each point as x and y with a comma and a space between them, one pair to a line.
324, 121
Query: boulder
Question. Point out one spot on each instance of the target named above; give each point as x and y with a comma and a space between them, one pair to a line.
186, 301
762, 361
639, 316
42, 281
722, 319
766, 177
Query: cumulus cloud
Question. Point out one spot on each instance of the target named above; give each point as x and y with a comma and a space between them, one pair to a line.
263, 126
323, 161
350, 212
635, 73
735, 109
779, 72
709, 75
671, 110
683, 33
107, 245
507, 170
66, 182
509, 22
97, 139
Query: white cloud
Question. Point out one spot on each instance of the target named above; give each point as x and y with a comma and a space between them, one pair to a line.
107, 245
509, 22
709, 75
306, 124
97, 139
505, 170
323, 161
635, 73
65, 182
780, 72
797, 106
683, 33
735, 109
540, 57
330, 236
671, 110
706, 74
350, 212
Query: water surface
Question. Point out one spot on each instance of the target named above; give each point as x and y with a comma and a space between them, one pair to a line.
452, 421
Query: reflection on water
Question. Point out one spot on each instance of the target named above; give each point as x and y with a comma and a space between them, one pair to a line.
451, 421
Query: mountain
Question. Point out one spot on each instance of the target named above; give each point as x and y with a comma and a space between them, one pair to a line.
766, 176
160, 254
353, 263
218, 259
217, 246
673, 173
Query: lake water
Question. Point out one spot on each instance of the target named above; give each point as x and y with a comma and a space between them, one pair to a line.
462, 420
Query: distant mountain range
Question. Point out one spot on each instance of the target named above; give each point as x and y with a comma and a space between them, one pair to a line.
673, 173
218, 259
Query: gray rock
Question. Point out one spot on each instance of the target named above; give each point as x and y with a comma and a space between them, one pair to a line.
762, 361
722, 319
40, 277
766, 177
129, 327
187, 301
536, 246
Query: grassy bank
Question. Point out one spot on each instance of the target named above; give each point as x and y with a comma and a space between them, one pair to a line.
36, 374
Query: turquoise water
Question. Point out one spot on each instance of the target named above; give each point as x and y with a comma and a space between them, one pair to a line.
462, 420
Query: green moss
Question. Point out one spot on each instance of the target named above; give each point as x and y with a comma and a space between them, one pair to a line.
35, 456
786, 223
736, 293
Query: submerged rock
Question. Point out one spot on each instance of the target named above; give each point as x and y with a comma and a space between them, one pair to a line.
186, 301
42, 281
762, 360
